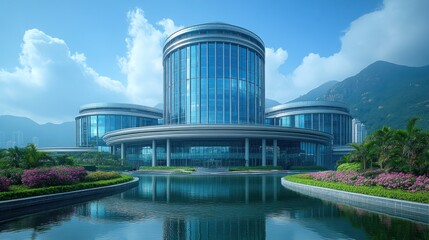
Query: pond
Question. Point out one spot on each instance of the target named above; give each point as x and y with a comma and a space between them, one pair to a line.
215, 206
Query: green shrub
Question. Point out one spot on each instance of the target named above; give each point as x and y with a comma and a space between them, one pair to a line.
22, 191
422, 197
97, 176
349, 166
14, 174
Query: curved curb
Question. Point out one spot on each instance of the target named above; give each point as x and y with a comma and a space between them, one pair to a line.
14, 204
398, 208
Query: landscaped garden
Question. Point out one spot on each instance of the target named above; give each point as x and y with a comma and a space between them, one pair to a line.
389, 163
27, 172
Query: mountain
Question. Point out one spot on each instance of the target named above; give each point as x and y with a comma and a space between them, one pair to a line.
317, 93
270, 103
20, 131
384, 94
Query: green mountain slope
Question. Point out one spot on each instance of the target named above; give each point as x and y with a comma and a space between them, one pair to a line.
317, 93
385, 94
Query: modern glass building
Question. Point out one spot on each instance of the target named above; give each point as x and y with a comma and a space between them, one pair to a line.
95, 120
214, 74
214, 91
330, 117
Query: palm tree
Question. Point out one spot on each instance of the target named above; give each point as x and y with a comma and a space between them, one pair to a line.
362, 153
385, 142
14, 155
414, 143
32, 156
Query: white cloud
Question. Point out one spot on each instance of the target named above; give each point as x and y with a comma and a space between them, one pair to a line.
398, 33
51, 83
143, 62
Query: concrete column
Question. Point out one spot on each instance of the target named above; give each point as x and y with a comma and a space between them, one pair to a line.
264, 157
122, 151
112, 149
275, 152
153, 153
246, 151
168, 152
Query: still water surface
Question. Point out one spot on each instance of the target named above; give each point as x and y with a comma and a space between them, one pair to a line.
210, 207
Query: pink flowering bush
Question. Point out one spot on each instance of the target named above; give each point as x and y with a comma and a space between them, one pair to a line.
60, 175
4, 184
392, 180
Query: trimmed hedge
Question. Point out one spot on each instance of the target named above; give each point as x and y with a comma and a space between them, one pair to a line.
22, 191
349, 166
97, 176
421, 197
257, 168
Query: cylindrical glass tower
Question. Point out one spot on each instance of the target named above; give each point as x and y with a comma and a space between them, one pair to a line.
214, 74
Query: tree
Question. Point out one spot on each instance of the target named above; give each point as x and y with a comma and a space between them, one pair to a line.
362, 153
32, 156
14, 155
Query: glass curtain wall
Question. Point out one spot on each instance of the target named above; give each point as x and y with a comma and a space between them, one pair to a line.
92, 128
338, 125
214, 83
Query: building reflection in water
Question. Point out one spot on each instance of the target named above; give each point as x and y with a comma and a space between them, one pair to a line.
223, 207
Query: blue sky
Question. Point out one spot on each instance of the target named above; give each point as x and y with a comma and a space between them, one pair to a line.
58, 55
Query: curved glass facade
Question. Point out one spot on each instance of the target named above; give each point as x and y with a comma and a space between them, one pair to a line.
214, 77
329, 117
228, 153
95, 120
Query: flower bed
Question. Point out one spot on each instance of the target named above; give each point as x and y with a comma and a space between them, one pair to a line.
392, 180
4, 184
45, 177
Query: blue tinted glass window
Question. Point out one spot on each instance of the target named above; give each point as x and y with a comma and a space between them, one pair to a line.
203, 59
182, 117
219, 60
203, 100
227, 97
211, 59
242, 102
219, 100
234, 61
194, 62
251, 66
226, 60
242, 63
251, 93
212, 102
234, 100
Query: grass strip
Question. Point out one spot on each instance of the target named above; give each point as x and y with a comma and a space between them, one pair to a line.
379, 191
258, 168
165, 168
23, 191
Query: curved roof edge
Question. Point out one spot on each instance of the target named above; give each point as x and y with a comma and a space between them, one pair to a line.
212, 25
101, 105
214, 131
291, 105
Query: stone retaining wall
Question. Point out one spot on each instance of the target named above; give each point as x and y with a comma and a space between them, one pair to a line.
52, 199
404, 209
